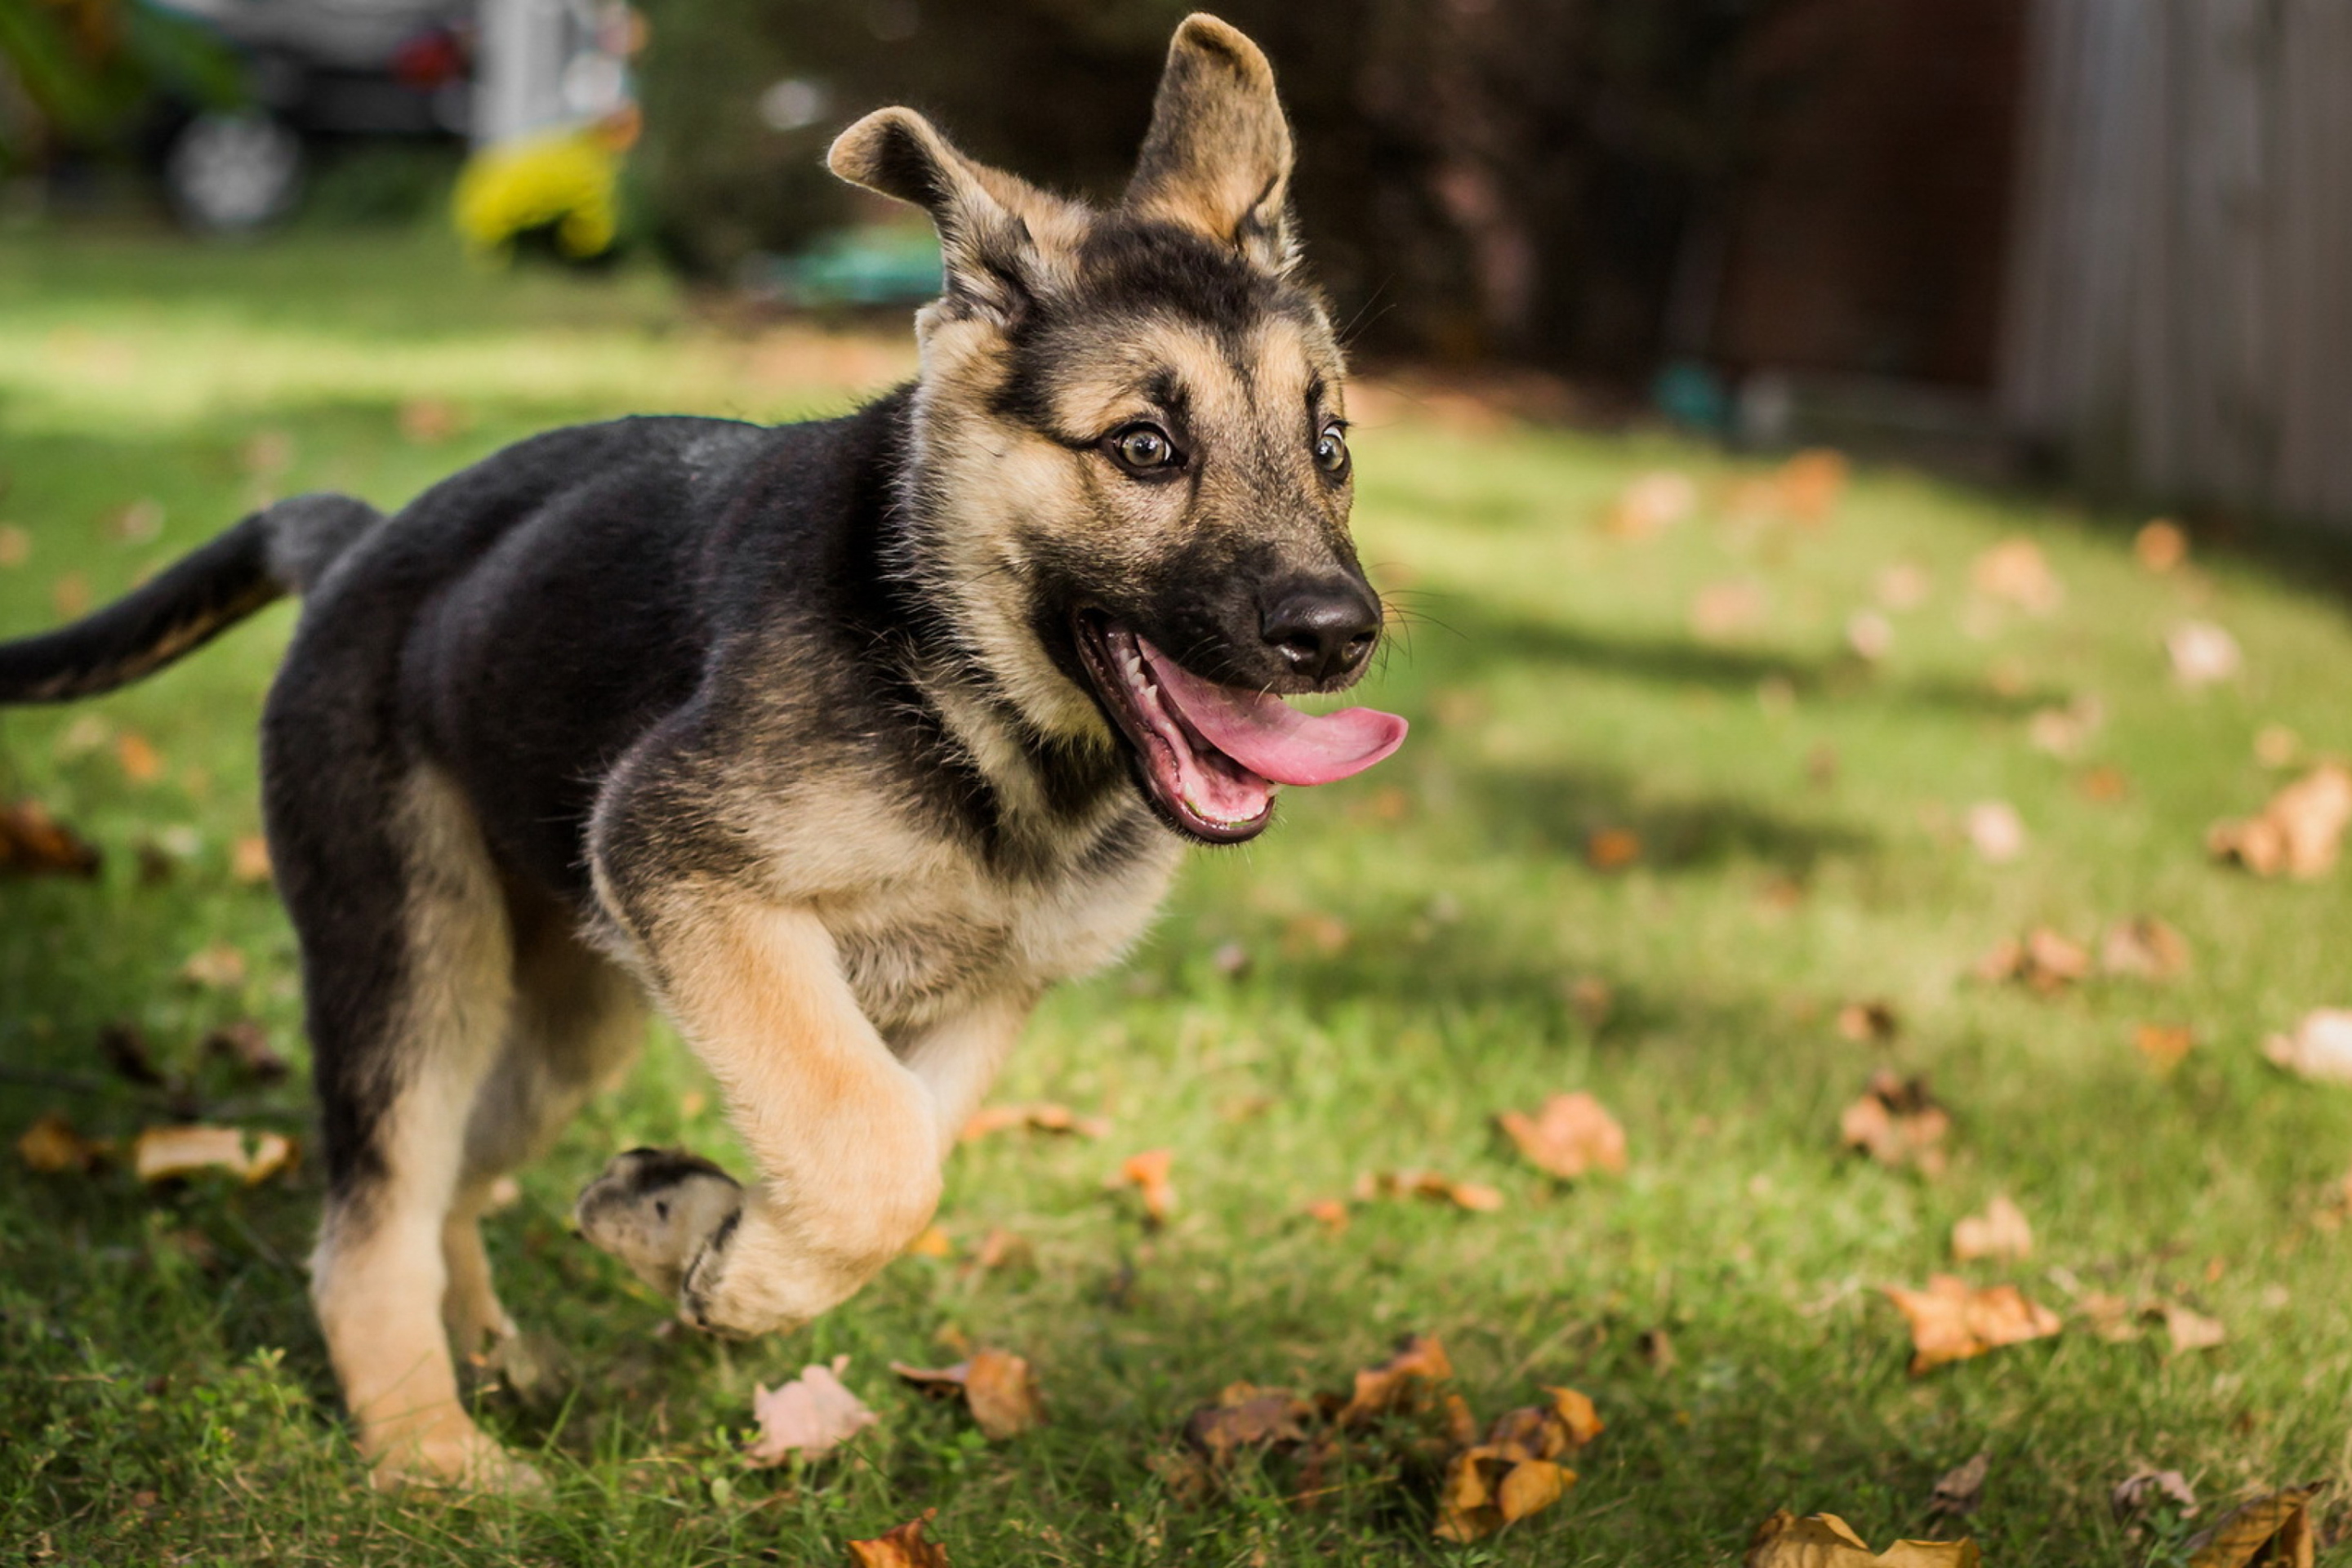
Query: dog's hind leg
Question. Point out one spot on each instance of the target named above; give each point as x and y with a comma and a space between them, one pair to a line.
409, 974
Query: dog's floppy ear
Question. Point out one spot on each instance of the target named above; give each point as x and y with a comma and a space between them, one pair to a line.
994, 259
1217, 157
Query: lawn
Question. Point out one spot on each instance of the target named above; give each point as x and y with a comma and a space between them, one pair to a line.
1363, 990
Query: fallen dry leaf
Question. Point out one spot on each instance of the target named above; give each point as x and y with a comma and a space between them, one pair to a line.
1995, 830
2160, 544
1040, 1117
997, 1387
427, 421
2191, 1331
2298, 834
1315, 934
1650, 504
2203, 653
1407, 1381
1951, 1320
34, 844
2001, 1232
1869, 636
2273, 1530
1656, 1348
1148, 1174
2319, 1049
1811, 483
2015, 571
1612, 848
69, 596
1898, 1122
2143, 1489
903, 1547
2045, 962
2277, 746
1960, 1490
1485, 1490
1570, 1135
2162, 1046
249, 859
1330, 1213
1825, 1541
15, 545
165, 1153
1547, 1431
2142, 949
246, 1044
1245, 1416
930, 1242
140, 761
2062, 731
219, 967
1000, 1248
1903, 586
51, 1147
1873, 1022
810, 1416
1476, 1196
2111, 1318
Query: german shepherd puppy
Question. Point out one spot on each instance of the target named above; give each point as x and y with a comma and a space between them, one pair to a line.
840, 741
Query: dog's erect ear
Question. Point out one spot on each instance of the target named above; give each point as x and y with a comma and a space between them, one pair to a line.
990, 222
1217, 157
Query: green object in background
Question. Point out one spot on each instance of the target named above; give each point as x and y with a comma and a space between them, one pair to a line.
882, 266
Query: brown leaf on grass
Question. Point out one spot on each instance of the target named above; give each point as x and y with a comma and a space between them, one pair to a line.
249, 859
2160, 544
1592, 1000
2104, 785
1825, 1541
1485, 1490
1903, 586
1407, 1381
2163, 1046
219, 967
903, 1547
2190, 1329
1245, 1416
1000, 1248
246, 1044
2277, 746
2061, 730
1148, 1174
1995, 831
1960, 1490
2203, 653
2319, 1049
996, 1386
69, 596
51, 1147
1476, 1196
1612, 848
929, 1242
1898, 1123
429, 421
2143, 1489
1869, 636
2111, 1318
1546, 1431
1656, 1348
1650, 504
2015, 571
1951, 1320
137, 756
34, 844
2142, 949
1871, 1023
2001, 1232
2298, 834
1571, 1134
2273, 1530
1331, 1213
1812, 482
1315, 934
810, 1415
1722, 611
1040, 1117
166, 1154
15, 545
2045, 962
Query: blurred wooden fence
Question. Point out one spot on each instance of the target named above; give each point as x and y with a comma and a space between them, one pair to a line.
2181, 310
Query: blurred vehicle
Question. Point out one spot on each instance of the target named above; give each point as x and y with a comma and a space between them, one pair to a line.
317, 72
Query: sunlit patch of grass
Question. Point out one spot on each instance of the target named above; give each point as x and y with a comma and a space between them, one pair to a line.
1426, 946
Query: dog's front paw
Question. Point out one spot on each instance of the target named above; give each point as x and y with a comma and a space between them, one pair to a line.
659, 1211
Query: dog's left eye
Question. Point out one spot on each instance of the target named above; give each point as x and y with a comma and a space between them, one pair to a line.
1331, 450
1143, 449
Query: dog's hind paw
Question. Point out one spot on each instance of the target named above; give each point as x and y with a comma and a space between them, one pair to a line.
657, 1210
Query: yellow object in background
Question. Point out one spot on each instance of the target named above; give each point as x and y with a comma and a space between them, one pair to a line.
564, 183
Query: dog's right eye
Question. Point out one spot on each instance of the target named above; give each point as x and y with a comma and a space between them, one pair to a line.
1143, 449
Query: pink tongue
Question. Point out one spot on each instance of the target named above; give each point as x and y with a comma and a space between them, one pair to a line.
1271, 738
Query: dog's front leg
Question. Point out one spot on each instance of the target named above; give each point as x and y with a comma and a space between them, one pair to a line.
847, 1137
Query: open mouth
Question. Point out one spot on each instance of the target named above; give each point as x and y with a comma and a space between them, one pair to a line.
1212, 754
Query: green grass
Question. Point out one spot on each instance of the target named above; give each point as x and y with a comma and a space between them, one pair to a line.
165, 1395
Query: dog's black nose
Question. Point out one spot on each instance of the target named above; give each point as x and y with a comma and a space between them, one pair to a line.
1322, 630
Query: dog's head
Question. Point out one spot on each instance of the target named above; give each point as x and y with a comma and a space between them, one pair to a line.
1131, 452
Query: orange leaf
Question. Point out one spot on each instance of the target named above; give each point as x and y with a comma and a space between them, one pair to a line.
997, 1387
1041, 1117
1476, 1196
1406, 1381
1950, 1322
51, 1147
219, 967
2163, 1045
1148, 1174
1570, 1135
903, 1547
2000, 1231
163, 1153
1898, 1122
2275, 1530
33, 844
1244, 1416
2298, 834
140, 761
249, 859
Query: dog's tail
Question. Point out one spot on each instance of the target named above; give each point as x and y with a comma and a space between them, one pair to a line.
282, 549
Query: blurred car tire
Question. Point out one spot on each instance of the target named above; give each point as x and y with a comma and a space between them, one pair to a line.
230, 173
